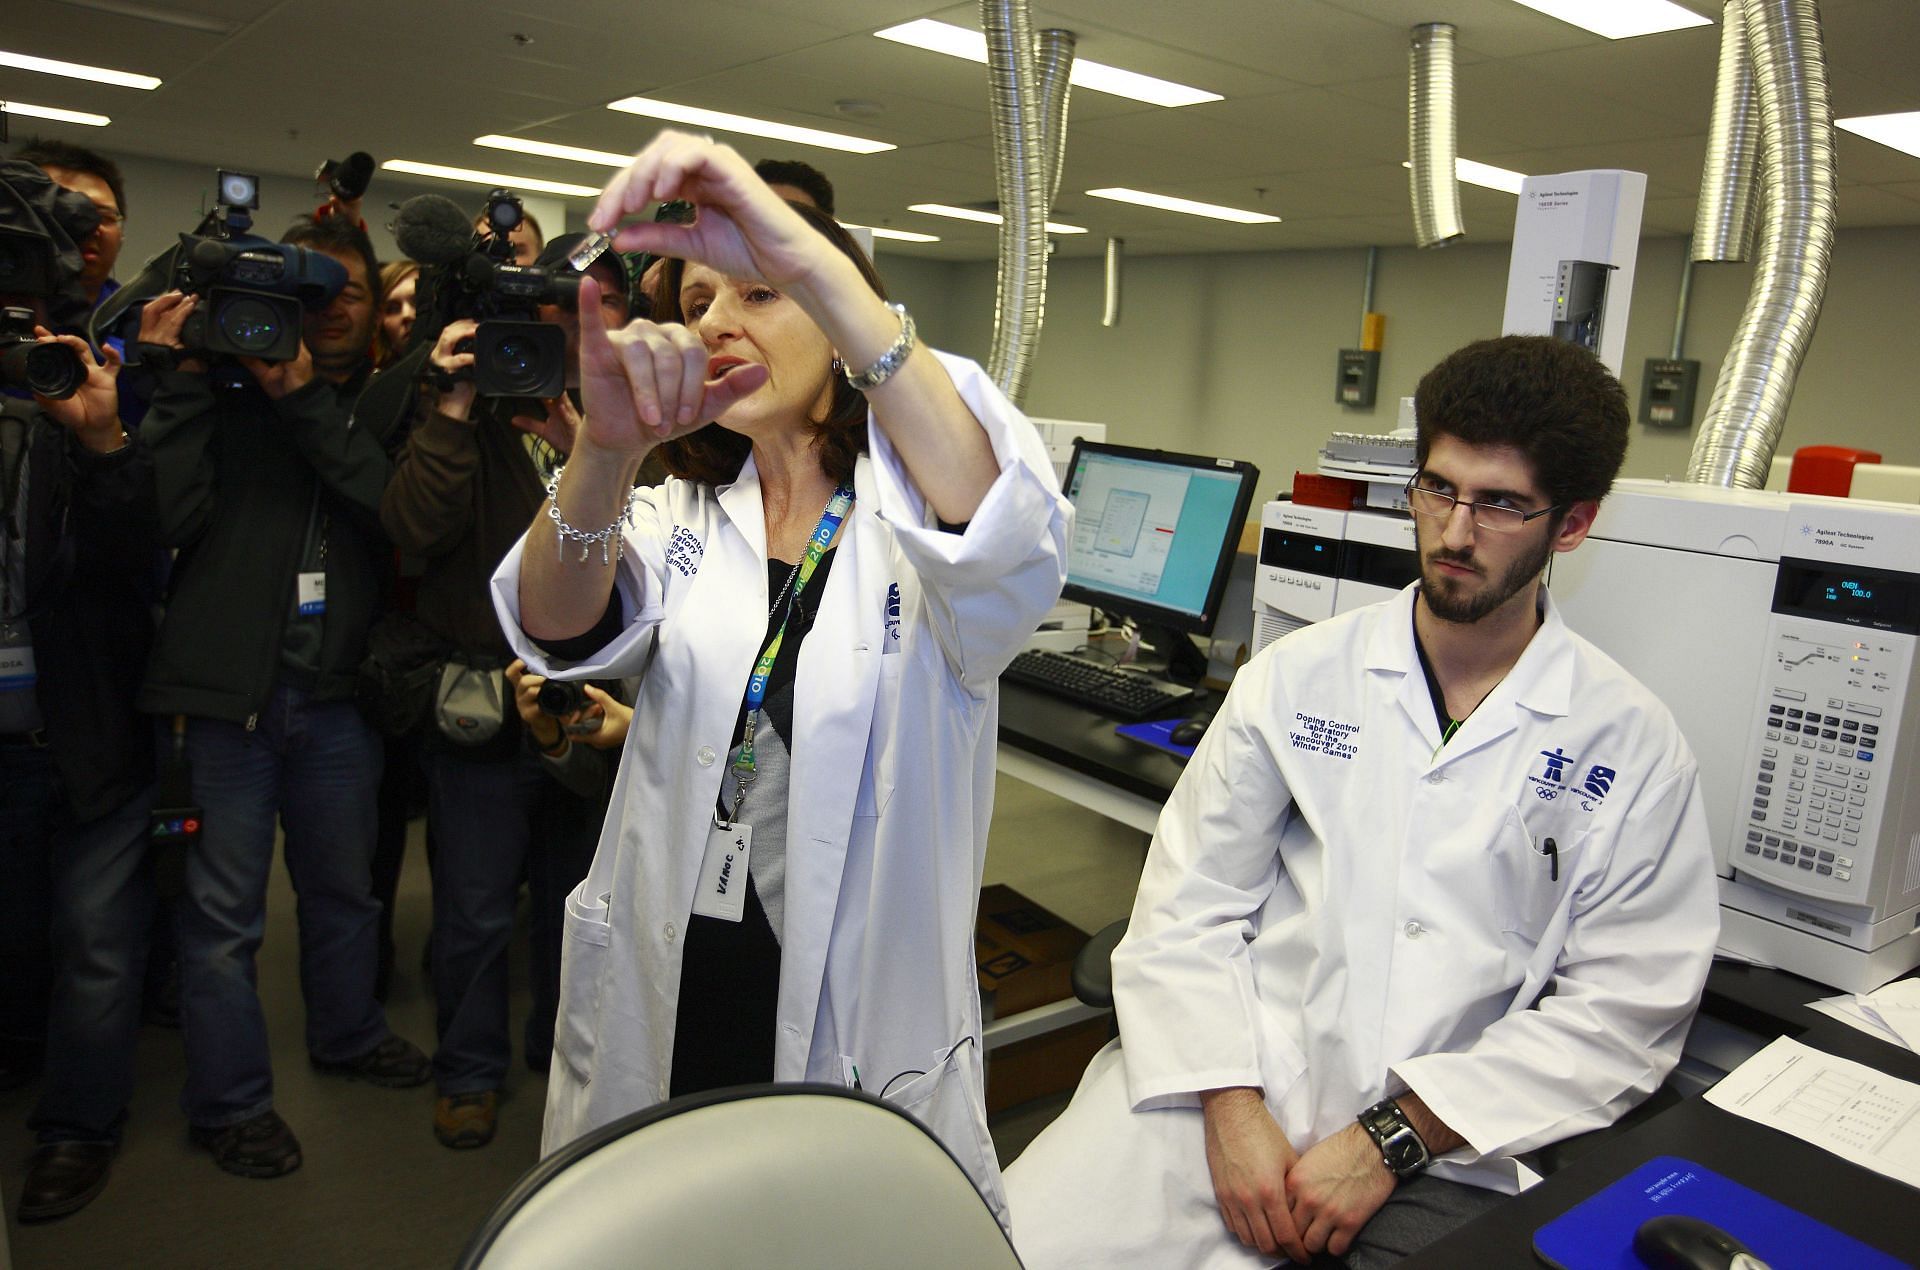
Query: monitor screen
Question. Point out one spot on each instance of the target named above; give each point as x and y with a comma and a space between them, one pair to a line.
1154, 533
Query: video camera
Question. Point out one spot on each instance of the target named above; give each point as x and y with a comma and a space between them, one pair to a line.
254, 292
514, 353
48, 370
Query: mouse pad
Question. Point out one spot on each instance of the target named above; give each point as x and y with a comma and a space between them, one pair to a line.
1598, 1233
1158, 734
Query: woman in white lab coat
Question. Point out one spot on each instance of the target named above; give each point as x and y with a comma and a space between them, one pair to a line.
944, 537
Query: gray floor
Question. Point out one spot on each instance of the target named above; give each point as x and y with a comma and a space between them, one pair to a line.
376, 1189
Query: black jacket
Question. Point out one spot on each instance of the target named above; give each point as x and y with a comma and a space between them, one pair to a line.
92, 580
237, 477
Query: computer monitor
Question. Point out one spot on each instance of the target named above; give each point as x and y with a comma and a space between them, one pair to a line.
1154, 532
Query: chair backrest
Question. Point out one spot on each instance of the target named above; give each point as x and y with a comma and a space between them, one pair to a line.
804, 1177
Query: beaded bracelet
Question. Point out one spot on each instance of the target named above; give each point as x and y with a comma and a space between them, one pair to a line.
612, 545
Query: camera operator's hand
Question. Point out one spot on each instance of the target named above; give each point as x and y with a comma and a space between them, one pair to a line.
544, 728
616, 720
742, 228
456, 402
277, 379
92, 413
647, 382
160, 321
557, 427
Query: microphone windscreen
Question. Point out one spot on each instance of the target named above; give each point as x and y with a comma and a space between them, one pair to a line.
354, 176
431, 229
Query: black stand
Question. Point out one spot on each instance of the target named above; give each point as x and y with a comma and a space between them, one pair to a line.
1185, 663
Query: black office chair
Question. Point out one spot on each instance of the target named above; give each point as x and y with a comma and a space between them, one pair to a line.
1093, 966
804, 1177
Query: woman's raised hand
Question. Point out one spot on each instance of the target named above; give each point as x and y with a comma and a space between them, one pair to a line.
740, 228
647, 382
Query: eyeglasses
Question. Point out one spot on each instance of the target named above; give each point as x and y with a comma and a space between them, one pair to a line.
1497, 517
108, 217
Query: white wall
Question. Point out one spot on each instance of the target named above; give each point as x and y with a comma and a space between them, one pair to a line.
1234, 354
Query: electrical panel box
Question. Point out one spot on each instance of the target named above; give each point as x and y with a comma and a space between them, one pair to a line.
1359, 377
1667, 389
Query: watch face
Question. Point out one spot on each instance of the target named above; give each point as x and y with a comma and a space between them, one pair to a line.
1403, 1151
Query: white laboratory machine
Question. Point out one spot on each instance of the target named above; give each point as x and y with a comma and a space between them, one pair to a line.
1576, 236
1315, 562
1780, 630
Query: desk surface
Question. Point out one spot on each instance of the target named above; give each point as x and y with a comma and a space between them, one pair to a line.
1077, 738
1875, 1209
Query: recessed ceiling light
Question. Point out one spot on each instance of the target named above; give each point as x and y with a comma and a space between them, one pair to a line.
1167, 203
898, 235
958, 41
75, 70
54, 113
553, 150
673, 112
1473, 172
984, 218
1901, 131
472, 177
1620, 19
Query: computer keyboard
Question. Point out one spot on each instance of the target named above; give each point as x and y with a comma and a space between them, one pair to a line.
1116, 694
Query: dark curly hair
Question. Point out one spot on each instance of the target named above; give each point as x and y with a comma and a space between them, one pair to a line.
1551, 400
713, 455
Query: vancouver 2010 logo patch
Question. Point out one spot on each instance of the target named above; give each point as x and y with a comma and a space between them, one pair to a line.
1552, 777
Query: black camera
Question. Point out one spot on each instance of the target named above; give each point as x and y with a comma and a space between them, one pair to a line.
48, 370
559, 698
26, 262
254, 293
514, 353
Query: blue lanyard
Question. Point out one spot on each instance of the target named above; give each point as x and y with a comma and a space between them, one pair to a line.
743, 767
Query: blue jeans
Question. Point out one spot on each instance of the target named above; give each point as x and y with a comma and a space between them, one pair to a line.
103, 911
317, 766
481, 814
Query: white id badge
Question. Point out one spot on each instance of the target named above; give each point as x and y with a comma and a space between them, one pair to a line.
16, 668
723, 873
310, 592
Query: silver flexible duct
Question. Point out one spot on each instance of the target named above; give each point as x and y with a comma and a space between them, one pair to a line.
1053, 63
1749, 406
1431, 136
1723, 221
1020, 171
1116, 249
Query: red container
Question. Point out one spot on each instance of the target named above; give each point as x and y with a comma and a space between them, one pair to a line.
1826, 469
1336, 492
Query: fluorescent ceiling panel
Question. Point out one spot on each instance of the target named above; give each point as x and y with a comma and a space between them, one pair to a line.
1167, 203
1620, 19
747, 125
1901, 131
76, 70
1473, 172
551, 150
958, 41
898, 235
54, 113
472, 177
984, 218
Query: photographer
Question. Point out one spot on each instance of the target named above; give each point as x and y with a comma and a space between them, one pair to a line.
469, 481
272, 495
76, 759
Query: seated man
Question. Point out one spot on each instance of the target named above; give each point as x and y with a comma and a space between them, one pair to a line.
1436, 889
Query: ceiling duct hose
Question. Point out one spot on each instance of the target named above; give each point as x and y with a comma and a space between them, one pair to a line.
1431, 136
1723, 222
1116, 250
1749, 407
1053, 62
1020, 174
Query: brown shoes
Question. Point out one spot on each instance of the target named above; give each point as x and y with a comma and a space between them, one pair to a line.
461, 1121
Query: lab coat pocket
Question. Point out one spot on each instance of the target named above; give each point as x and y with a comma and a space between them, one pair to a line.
948, 1099
583, 959
1530, 876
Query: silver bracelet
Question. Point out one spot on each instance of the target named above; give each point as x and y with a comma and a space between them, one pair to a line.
891, 360
612, 545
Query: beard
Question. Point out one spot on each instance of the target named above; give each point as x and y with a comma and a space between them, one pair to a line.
1466, 601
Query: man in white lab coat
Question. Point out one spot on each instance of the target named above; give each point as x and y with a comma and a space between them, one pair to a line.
1435, 889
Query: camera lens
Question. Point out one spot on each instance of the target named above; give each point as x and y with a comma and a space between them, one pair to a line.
557, 698
51, 370
249, 324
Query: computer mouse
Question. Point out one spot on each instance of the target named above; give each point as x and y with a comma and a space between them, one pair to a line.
1677, 1242
1190, 732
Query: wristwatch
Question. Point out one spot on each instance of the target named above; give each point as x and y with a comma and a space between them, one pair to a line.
1400, 1146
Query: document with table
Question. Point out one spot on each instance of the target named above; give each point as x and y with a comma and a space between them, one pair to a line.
1848, 1108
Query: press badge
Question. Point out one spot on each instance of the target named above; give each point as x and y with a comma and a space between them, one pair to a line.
16, 657
723, 872
310, 591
